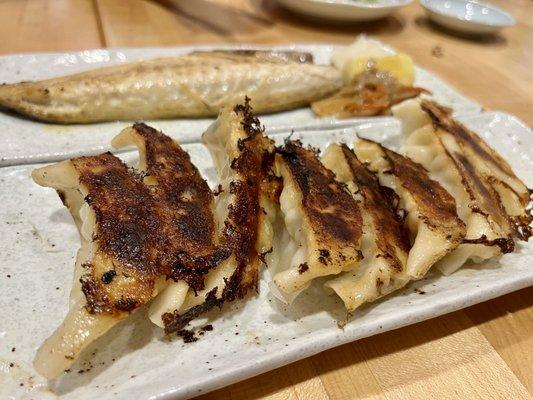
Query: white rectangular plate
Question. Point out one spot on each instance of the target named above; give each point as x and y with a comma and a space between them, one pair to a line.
27, 141
38, 242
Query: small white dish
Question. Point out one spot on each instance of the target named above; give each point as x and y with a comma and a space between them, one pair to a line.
467, 16
346, 10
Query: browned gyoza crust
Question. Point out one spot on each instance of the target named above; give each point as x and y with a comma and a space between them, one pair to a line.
254, 166
381, 202
240, 233
333, 214
146, 231
185, 201
480, 187
124, 232
434, 202
440, 116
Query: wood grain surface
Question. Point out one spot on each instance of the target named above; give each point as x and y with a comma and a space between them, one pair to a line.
482, 352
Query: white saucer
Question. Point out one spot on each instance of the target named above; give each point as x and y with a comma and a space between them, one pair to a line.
345, 10
467, 16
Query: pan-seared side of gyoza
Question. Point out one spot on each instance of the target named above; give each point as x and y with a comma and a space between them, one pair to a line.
490, 198
434, 227
385, 241
321, 228
167, 167
245, 208
194, 85
139, 231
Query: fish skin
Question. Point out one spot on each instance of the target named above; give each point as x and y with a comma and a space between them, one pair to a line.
194, 85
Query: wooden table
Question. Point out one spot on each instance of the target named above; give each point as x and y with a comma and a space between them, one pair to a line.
485, 351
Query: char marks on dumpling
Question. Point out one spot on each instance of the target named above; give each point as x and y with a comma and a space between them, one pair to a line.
243, 157
121, 274
184, 202
385, 242
487, 172
322, 225
432, 221
139, 231
491, 200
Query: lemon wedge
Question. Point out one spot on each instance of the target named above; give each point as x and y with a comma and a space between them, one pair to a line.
398, 65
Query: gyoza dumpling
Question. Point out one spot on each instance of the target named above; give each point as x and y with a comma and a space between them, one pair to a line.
243, 157
490, 199
165, 166
385, 242
133, 233
432, 221
322, 224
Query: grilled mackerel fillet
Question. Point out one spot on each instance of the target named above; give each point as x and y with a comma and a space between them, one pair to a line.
245, 208
139, 230
194, 85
